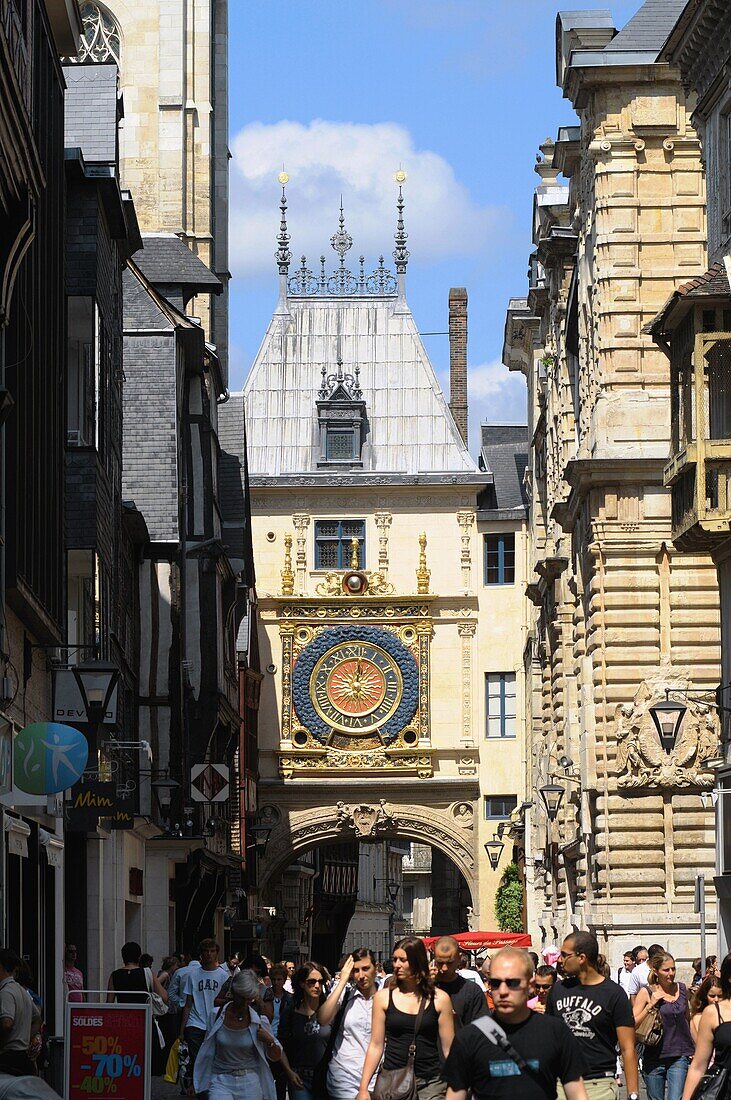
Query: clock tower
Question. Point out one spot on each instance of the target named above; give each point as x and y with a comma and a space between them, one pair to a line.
364, 506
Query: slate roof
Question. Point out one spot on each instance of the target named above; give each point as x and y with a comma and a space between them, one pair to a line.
411, 434
91, 110
504, 456
167, 260
648, 29
232, 439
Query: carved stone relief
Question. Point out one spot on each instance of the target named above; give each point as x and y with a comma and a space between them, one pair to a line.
641, 759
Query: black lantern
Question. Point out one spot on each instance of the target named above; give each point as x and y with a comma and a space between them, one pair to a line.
97, 681
668, 718
393, 892
552, 797
261, 834
494, 849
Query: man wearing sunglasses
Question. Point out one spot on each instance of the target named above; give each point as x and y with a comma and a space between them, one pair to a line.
599, 1015
535, 1052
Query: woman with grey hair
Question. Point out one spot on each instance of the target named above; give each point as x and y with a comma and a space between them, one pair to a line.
233, 1061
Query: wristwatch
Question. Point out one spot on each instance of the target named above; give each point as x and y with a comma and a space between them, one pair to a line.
634, 1096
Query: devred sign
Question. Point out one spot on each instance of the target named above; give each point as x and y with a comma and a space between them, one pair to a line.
107, 1051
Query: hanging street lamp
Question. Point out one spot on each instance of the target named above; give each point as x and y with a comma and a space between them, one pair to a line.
494, 849
552, 797
668, 717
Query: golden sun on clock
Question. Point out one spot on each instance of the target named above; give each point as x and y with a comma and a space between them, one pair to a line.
356, 687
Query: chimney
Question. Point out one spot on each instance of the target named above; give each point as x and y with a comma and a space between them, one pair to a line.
458, 358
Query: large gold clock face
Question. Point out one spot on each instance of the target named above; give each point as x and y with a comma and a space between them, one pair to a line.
356, 687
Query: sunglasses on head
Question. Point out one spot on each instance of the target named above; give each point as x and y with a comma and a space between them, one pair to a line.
511, 983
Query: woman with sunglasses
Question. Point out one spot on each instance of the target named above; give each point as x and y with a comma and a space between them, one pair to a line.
233, 1061
714, 1035
303, 1039
394, 1023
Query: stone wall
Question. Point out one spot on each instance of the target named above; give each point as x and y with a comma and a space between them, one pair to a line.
619, 616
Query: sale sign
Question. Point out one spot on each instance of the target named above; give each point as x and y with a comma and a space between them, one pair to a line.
107, 1051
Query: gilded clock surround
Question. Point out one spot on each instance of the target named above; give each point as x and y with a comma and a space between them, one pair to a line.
355, 682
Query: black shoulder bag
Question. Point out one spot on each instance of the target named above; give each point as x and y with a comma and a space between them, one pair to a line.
715, 1081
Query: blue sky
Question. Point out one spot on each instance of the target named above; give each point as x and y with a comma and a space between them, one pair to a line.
461, 92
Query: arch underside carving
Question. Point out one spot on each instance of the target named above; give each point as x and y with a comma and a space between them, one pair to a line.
450, 829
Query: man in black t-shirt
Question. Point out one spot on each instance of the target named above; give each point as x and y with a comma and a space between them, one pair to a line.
599, 1015
468, 1000
542, 1043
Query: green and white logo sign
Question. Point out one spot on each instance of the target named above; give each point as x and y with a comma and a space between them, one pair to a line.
48, 758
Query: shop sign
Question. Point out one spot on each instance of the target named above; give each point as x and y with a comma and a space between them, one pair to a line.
88, 803
209, 783
6, 756
48, 757
124, 814
107, 1051
68, 700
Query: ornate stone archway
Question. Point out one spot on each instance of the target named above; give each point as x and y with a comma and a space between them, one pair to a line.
449, 826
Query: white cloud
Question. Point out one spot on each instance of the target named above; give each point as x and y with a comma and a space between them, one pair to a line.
357, 160
489, 380
495, 395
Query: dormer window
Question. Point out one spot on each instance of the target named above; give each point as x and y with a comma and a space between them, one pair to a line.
341, 415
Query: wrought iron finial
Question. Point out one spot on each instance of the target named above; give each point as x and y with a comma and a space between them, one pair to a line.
422, 573
342, 240
283, 254
400, 253
354, 553
287, 574
341, 282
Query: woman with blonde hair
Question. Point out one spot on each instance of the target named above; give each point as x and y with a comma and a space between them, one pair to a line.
665, 1065
709, 992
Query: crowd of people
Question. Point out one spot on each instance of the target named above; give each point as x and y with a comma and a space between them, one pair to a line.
418, 1028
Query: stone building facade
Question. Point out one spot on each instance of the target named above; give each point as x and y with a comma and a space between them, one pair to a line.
619, 615
173, 62
694, 330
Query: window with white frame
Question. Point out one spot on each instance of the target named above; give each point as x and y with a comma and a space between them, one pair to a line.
499, 806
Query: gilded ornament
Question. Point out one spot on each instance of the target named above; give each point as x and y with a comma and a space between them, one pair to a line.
422, 573
287, 574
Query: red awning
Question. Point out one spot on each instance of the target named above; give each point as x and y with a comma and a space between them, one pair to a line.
479, 941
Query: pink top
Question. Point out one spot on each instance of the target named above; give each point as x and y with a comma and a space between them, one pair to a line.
74, 981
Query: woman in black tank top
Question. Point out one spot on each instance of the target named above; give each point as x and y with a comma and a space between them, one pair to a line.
714, 1035
395, 1013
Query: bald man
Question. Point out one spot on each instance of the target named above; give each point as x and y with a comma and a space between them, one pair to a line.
468, 1001
537, 1051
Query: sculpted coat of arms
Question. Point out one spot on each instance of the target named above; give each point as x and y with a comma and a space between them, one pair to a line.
641, 759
